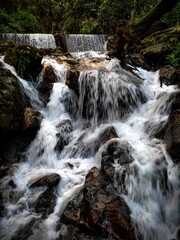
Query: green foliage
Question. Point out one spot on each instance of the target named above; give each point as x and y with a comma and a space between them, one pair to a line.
174, 58
74, 16
23, 61
23, 22
173, 17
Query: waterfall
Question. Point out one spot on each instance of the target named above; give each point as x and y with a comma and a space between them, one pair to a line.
70, 142
85, 42
36, 40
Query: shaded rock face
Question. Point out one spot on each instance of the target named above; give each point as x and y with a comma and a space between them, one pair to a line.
98, 211
172, 135
169, 75
116, 153
14, 149
172, 132
157, 46
46, 203
11, 101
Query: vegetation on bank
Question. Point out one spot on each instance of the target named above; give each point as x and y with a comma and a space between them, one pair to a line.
80, 16
99, 16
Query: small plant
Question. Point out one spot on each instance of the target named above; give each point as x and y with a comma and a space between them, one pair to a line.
23, 61
173, 58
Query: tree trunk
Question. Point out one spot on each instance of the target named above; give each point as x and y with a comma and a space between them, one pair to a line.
133, 11
162, 7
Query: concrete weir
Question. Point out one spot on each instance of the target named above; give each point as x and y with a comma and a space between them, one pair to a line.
67, 43
36, 40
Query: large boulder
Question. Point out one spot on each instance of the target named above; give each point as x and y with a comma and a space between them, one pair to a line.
156, 47
98, 211
11, 101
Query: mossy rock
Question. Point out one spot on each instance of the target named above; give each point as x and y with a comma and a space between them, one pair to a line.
157, 49
26, 60
11, 101
5, 46
161, 36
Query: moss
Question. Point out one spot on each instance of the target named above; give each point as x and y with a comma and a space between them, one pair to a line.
26, 60
11, 101
157, 49
162, 36
5, 46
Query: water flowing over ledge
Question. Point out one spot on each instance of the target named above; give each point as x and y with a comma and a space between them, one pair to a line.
77, 133
85, 42
36, 40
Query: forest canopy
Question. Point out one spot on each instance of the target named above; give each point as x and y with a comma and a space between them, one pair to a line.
75, 16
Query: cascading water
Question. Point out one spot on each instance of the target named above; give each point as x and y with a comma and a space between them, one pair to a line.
36, 40
85, 42
70, 142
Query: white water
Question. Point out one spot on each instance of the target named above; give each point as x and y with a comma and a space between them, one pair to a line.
154, 206
85, 42
36, 40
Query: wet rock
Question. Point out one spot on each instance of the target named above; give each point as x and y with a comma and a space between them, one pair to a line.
46, 203
169, 75
14, 149
49, 180
99, 211
157, 52
24, 232
45, 89
1, 204
119, 153
48, 74
72, 80
64, 130
11, 102
32, 119
137, 60
87, 148
172, 135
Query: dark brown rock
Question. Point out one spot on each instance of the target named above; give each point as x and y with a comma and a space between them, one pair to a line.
169, 75
46, 203
99, 211
49, 180
32, 119
45, 89
115, 152
72, 80
172, 135
48, 74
